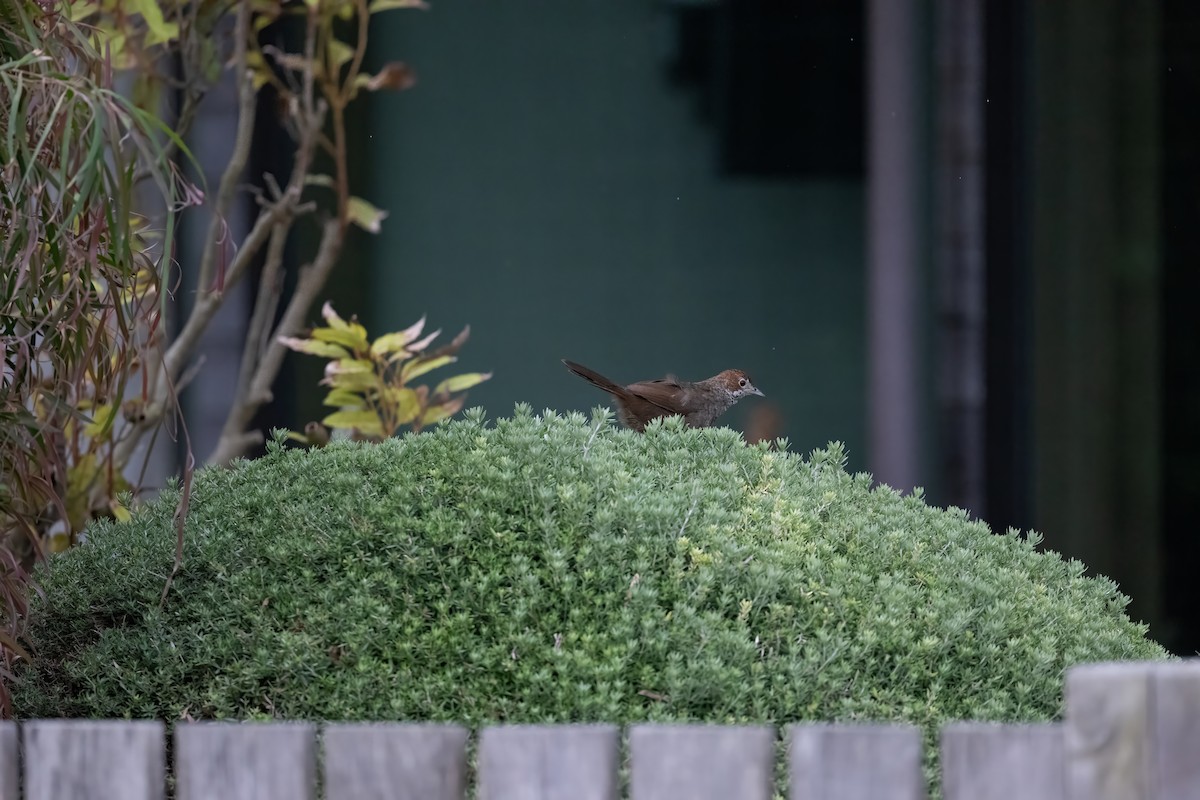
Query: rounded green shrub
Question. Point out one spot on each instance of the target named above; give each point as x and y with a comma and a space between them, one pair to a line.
549, 568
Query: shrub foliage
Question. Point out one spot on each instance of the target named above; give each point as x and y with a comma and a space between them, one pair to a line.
552, 568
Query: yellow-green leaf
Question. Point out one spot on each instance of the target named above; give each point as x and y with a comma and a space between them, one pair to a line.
332, 318
81, 476
346, 365
443, 411
102, 419
78, 10
343, 398
114, 46
319, 180
354, 381
354, 338
363, 420
355, 374
344, 9
406, 402
460, 382
396, 76
365, 215
391, 342
160, 30
399, 355
119, 512
260, 73
339, 52
420, 366
417, 347
387, 5
313, 347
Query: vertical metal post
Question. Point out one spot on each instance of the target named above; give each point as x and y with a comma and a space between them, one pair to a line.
959, 248
893, 241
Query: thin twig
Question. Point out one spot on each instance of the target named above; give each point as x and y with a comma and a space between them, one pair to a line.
247, 106
588, 445
181, 512
189, 374
687, 518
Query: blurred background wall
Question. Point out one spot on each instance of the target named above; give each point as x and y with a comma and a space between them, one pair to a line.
630, 185
957, 235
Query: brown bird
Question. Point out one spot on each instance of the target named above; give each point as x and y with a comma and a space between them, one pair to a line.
699, 403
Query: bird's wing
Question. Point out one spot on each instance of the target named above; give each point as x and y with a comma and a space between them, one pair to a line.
666, 394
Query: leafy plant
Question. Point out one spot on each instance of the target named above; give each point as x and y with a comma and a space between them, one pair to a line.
369, 381
553, 569
313, 85
90, 371
80, 277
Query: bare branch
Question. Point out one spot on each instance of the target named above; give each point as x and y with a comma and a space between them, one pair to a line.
247, 106
312, 279
180, 520
276, 213
270, 289
263, 355
208, 303
189, 375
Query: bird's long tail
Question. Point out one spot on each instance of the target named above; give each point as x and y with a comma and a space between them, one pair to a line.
595, 378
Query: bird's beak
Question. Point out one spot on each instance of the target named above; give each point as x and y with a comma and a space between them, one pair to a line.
758, 392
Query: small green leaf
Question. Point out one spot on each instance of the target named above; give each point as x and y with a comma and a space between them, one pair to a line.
460, 382
417, 347
78, 10
120, 512
319, 180
365, 215
396, 76
393, 342
348, 365
160, 30
332, 318
353, 375
339, 52
442, 411
387, 5
389, 343
313, 347
362, 420
260, 73
343, 398
360, 382
420, 366
102, 419
407, 404
354, 340
345, 9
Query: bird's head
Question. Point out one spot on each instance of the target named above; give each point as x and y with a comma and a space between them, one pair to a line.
738, 384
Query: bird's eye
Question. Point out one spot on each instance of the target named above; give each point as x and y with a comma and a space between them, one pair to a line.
741, 381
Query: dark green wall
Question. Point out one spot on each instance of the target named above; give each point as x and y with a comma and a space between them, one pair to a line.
550, 187
1097, 278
